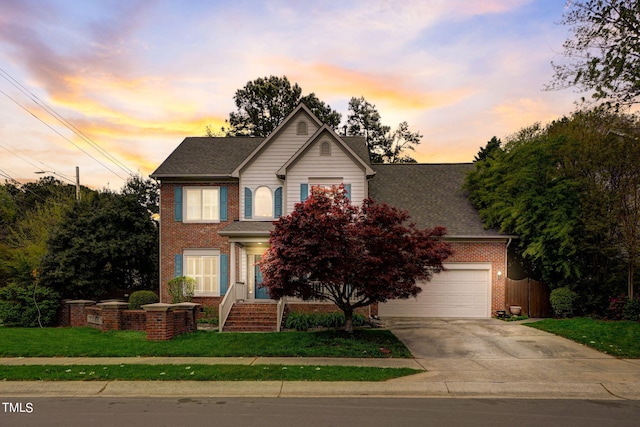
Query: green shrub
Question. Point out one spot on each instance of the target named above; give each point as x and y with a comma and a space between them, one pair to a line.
18, 306
332, 320
304, 321
359, 320
632, 310
140, 298
181, 289
562, 301
298, 321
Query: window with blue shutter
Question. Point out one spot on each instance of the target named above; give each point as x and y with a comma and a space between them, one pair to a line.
224, 273
277, 203
248, 205
177, 265
177, 203
304, 192
223, 203
347, 188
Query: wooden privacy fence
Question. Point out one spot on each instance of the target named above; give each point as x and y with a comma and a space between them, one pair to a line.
531, 295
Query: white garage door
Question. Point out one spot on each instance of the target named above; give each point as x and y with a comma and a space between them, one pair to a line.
464, 290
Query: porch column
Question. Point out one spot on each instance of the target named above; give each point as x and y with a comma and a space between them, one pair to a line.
232, 266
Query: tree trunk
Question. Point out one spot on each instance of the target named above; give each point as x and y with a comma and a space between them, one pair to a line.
348, 321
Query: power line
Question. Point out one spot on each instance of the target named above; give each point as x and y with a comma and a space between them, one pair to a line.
65, 123
61, 135
11, 150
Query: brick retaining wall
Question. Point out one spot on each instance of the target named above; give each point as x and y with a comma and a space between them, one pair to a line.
159, 321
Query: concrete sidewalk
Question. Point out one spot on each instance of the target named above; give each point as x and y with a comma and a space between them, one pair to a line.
602, 378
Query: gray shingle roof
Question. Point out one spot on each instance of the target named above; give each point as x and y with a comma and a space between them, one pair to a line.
253, 228
359, 146
432, 193
205, 156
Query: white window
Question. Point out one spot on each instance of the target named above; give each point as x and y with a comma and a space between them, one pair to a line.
202, 204
263, 202
204, 267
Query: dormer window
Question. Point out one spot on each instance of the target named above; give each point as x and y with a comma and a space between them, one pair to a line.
325, 148
302, 128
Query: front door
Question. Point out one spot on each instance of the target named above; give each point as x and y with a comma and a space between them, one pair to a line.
260, 292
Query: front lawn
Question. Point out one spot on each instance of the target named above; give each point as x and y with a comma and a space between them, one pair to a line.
618, 338
89, 342
199, 373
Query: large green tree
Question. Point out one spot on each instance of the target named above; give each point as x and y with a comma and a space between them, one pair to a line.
262, 104
384, 145
570, 191
106, 246
603, 54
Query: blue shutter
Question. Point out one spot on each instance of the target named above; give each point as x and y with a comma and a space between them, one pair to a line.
177, 265
347, 188
223, 203
248, 206
224, 273
304, 192
177, 203
277, 205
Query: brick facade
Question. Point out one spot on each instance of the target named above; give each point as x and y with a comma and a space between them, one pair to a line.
176, 236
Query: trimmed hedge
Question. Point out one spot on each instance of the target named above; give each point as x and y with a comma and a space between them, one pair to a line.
563, 301
140, 298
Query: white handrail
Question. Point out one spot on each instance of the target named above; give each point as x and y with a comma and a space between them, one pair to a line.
281, 304
225, 306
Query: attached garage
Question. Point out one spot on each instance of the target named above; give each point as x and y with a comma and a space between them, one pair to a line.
464, 290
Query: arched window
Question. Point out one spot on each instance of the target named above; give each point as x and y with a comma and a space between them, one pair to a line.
302, 128
263, 202
325, 148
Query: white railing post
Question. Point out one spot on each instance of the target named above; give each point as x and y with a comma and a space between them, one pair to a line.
225, 306
281, 303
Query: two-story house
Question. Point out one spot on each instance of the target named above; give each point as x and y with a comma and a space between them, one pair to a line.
219, 197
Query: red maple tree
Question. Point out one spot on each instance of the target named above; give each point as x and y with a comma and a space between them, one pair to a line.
354, 256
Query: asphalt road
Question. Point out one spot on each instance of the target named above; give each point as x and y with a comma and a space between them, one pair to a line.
265, 412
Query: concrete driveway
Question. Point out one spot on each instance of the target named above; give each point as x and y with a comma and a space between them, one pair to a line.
493, 351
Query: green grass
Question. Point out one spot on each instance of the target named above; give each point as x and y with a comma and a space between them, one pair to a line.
199, 373
89, 342
617, 338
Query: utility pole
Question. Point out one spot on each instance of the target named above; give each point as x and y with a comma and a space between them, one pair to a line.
78, 184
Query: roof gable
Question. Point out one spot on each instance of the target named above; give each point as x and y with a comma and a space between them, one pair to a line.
286, 122
324, 130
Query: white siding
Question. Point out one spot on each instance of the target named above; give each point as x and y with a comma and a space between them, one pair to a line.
262, 170
312, 165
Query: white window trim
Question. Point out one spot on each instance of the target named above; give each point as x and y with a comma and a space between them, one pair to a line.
185, 205
255, 203
203, 253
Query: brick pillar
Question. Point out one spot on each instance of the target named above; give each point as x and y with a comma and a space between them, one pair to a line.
190, 312
77, 313
159, 321
112, 315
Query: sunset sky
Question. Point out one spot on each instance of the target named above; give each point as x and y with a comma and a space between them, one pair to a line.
137, 77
